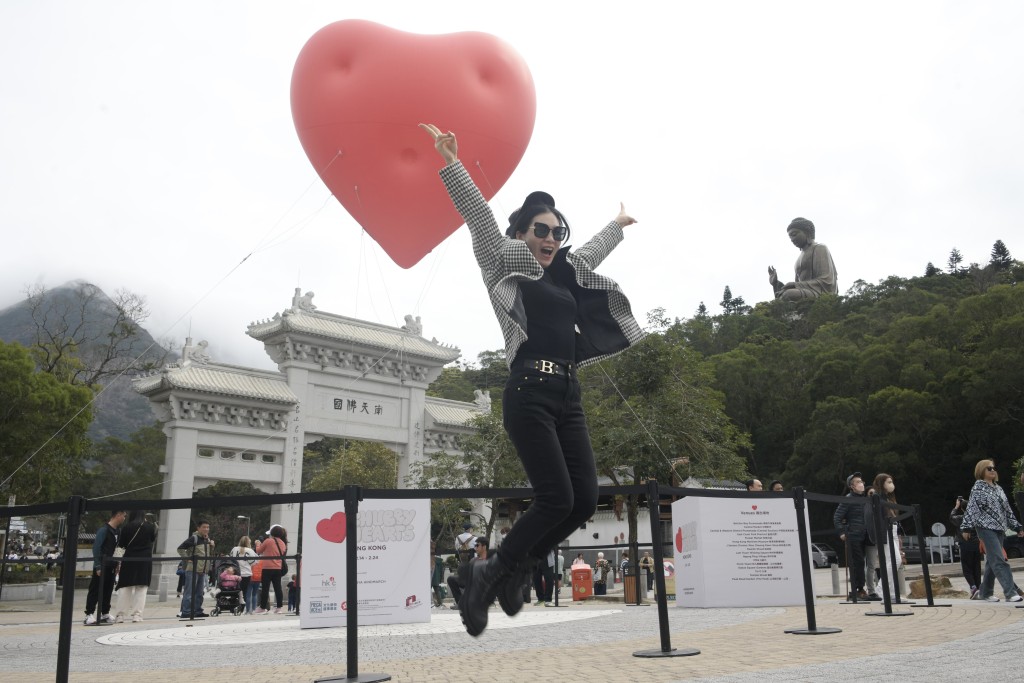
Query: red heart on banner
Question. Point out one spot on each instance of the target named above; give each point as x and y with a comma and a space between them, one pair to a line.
359, 91
753, 507
679, 540
332, 530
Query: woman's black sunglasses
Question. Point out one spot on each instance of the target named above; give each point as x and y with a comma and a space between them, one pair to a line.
559, 232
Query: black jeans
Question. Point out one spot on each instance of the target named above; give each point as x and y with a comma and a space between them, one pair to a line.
856, 541
970, 562
92, 597
271, 576
543, 416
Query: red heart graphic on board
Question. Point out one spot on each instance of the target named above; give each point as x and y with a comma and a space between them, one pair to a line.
359, 91
753, 507
679, 540
332, 530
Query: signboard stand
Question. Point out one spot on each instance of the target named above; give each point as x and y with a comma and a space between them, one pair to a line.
659, 579
352, 496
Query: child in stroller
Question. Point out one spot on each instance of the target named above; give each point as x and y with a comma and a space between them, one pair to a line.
228, 593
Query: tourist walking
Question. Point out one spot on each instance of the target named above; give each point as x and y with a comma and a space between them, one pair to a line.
988, 513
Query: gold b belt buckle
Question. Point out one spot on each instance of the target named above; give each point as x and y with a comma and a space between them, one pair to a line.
547, 367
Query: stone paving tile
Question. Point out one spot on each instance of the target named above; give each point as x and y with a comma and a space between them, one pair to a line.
736, 646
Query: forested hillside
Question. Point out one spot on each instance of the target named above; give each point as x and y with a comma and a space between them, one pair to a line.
917, 377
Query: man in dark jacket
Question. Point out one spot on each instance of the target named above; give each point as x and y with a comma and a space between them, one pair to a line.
849, 520
196, 551
104, 568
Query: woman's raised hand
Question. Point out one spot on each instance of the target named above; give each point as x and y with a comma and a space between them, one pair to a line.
444, 143
624, 218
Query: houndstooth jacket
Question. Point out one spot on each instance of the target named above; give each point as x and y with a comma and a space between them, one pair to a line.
604, 322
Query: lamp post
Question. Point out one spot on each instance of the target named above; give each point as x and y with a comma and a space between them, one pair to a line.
246, 523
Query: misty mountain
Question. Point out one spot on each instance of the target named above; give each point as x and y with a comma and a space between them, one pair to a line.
81, 311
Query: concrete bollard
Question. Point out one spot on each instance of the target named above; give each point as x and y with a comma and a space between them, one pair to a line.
50, 591
836, 588
162, 591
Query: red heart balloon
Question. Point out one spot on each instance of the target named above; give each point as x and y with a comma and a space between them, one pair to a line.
332, 530
359, 91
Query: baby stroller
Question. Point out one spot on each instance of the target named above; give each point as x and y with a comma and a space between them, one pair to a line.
229, 598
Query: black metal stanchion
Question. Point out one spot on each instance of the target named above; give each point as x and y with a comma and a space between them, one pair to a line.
659, 578
805, 564
353, 494
849, 592
924, 562
67, 597
876, 509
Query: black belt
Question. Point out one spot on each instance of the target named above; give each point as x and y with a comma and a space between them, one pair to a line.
548, 367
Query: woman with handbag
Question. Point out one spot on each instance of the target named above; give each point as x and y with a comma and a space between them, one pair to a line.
243, 551
136, 544
272, 552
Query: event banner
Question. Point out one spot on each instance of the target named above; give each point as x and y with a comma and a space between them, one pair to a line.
393, 571
736, 552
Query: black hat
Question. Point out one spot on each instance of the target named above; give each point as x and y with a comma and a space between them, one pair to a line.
537, 198
849, 479
467, 526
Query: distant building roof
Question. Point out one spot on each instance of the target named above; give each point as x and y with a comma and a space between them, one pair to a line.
217, 378
703, 483
449, 413
336, 327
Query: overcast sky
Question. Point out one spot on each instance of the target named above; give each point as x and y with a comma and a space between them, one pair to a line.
150, 146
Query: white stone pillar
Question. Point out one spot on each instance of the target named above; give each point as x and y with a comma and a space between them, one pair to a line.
180, 463
287, 515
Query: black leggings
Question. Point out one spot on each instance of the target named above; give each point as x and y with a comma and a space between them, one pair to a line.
271, 576
544, 418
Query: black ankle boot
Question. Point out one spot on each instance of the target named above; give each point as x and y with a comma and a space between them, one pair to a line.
484, 585
510, 597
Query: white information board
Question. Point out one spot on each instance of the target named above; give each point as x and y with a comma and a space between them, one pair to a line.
393, 547
736, 552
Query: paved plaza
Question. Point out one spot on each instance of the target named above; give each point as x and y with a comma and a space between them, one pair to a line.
581, 641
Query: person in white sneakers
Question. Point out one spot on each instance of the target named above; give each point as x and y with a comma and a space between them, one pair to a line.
988, 513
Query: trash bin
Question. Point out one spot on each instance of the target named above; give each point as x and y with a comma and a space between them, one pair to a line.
582, 582
629, 585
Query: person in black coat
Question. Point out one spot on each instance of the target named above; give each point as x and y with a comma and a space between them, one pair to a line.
137, 538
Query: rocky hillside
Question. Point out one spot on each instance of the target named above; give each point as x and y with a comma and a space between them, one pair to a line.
107, 337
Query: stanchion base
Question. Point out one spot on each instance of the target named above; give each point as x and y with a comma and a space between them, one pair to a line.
945, 604
888, 614
361, 678
820, 631
674, 652
904, 602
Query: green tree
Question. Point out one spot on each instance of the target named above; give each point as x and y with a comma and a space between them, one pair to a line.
488, 460
652, 405
226, 527
43, 422
954, 261
365, 463
1000, 257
